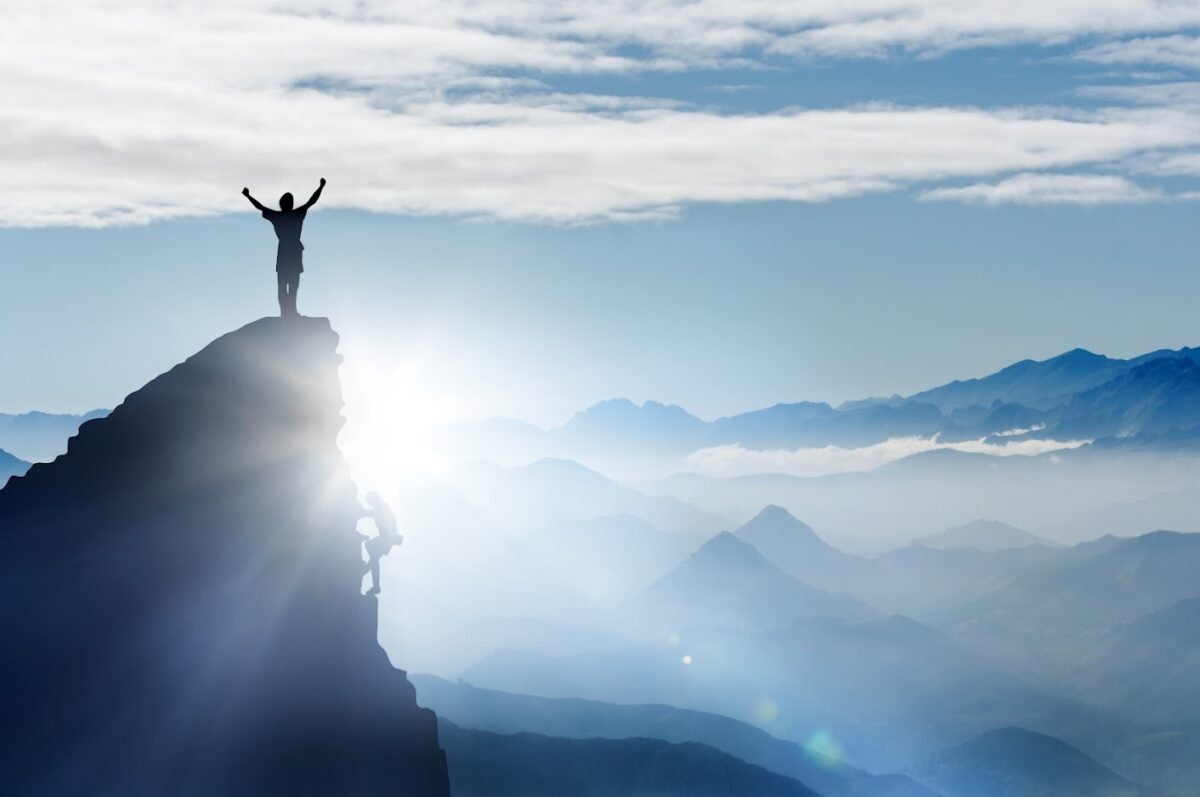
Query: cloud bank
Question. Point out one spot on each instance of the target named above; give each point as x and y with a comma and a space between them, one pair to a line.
734, 460
154, 111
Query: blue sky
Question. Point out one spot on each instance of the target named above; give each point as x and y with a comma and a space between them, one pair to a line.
719, 205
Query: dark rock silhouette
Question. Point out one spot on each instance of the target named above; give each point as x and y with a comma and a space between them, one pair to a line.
181, 596
288, 221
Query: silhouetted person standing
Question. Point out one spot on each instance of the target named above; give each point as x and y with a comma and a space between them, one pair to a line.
380, 545
289, 262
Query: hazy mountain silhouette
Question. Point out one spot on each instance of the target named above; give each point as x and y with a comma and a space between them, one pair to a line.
891, 691
552, 491
484, 764
10, 466
727, 582
607, 560
773, 426
923, 581
1148, 669
182, 595
503, 712
1043, 621
796, 549
618, 424
1015, 762
984, 535
40, 436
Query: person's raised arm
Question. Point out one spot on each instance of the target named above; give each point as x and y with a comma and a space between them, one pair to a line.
312, 200
253, 201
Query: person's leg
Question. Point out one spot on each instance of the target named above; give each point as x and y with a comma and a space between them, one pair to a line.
281, 279
374, 567
294, 286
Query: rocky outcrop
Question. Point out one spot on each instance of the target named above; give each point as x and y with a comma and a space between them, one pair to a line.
180, 596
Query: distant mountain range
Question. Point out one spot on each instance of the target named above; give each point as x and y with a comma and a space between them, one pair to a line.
508, 713
826, 675
1148, 668
485, 764
1048, 617
40, 436
559, 490
983, 535
728, 582
1076, 395
10, 466
1014, 762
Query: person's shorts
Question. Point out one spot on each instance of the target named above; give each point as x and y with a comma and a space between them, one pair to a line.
290, 261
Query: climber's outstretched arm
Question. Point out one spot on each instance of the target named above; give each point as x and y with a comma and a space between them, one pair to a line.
253, 201
312, 200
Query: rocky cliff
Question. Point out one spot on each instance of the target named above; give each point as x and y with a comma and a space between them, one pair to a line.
180, 596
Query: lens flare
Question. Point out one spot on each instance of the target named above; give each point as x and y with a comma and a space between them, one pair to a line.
823, 748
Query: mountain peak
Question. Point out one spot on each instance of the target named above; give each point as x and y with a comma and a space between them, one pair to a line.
726, 548
774, 526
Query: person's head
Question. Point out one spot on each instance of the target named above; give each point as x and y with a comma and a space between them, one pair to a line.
286, 201
373, 499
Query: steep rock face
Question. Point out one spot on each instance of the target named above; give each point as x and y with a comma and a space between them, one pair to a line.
180, 596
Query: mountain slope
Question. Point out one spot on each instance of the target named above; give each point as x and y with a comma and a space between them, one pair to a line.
618, 424
1155, 397
984, 535
502, 712
1014, 762
486, 764
607, 560
1043, 622
1148, 668
727, 582
797, 550
181, 595
553, 491
890, 692
1040, 384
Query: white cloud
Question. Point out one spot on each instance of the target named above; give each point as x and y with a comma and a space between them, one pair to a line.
133, 112
734, 460
1177, 50
1049, 189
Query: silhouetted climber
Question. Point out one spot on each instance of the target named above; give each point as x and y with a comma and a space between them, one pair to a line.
289, 262
380, 545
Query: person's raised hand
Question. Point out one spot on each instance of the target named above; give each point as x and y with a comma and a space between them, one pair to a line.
245, 192
322, 182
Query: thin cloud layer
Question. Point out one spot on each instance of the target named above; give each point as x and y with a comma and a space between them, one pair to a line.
1049, 189
156, 111
734, 460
